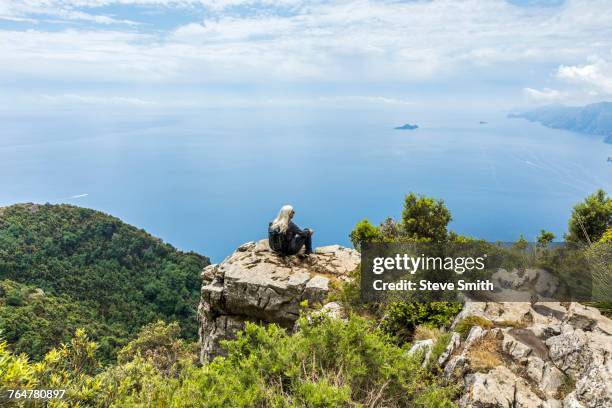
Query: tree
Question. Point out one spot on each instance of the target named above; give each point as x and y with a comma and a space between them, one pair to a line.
389, 229
590, 218
545, 238
607, 236
425, 218
521, 244
364, 232
161, 345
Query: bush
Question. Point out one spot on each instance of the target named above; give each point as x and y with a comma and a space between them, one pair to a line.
364, 232
591, 218
96, 272
401, 318
598, 256
464, 326
14, 298
425, 218
441, 342
161, 345
327, 363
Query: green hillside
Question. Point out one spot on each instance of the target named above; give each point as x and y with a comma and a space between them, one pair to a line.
95, 271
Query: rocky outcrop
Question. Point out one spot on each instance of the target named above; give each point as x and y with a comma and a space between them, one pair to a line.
541, 355
256, 284
530, 355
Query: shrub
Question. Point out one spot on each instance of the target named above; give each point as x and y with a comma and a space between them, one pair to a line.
485, 354
440, 344
161, 345
14, 298
327, 363
424, 332
591, 218
425, 218
364, 232
598, 256
401, 318
464, 326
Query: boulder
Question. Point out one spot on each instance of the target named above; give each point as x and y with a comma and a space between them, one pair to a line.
422, 346
256, 284
554, 355
452, 345
587, 319
569, 352
333, 310
496, 312
500, 387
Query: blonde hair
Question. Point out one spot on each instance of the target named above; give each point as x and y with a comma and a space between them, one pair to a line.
281, 222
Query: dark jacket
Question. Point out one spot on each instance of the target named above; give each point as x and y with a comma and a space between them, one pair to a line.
287, 243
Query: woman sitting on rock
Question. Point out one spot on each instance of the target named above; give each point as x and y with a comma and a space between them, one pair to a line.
285, 237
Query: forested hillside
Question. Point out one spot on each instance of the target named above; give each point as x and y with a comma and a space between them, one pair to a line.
95, 272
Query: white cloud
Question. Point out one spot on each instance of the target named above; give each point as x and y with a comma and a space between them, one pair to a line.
267, 43
19, 10
545, 95
597, 75
94, 100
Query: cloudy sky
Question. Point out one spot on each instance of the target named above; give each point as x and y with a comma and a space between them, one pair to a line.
179, 54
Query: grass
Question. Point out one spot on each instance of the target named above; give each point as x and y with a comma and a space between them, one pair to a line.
425, 332
464, 326
485, 354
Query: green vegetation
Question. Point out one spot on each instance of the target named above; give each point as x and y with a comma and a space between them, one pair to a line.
364, 232
86, 297
599, 255
327, 363
591, 218
464, 326
95, 271
33, 322
402, 318
545, 238
424, 219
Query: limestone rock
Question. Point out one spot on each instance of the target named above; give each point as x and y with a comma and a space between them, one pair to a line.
569, 352
476, 332
500, 387
587, 319
454, 342
572, 402
256, 284
422, 346
495, 312
595, 388
556, 355
217, 329
333, 310
521, 343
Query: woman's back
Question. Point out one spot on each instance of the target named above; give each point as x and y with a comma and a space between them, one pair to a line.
285, 237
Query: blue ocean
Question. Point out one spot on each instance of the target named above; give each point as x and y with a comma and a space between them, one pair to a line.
209, 181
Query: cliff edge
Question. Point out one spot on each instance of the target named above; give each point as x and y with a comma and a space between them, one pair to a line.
255, 284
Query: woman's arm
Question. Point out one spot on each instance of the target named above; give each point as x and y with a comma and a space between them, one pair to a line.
293, 229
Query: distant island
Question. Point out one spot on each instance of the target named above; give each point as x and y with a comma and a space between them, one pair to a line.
593, 119
407, 126
482, 122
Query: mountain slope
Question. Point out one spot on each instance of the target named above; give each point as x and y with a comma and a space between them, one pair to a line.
594, 119
105, 271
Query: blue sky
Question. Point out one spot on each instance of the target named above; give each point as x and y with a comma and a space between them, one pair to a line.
183, 54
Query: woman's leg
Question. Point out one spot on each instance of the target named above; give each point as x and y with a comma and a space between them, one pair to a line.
299, 241
308, 242
296, 244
